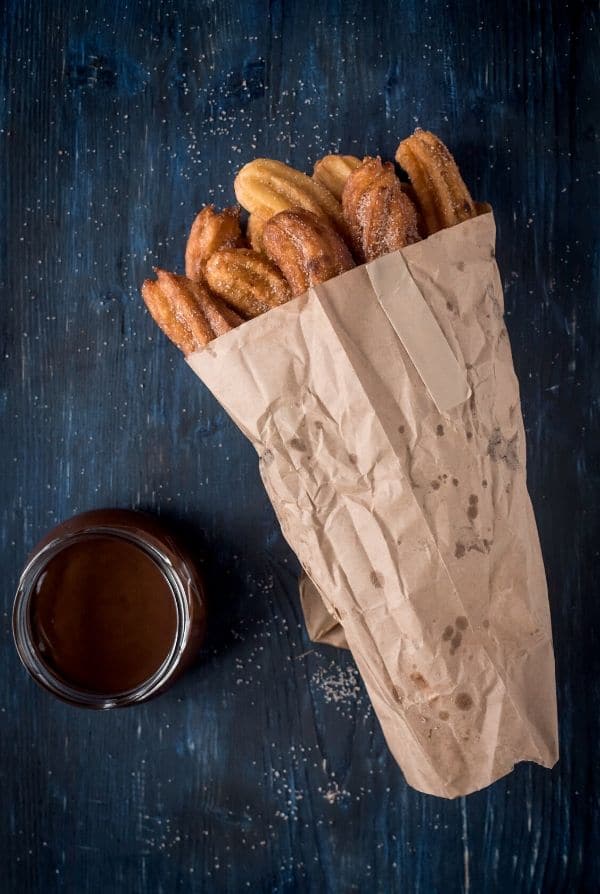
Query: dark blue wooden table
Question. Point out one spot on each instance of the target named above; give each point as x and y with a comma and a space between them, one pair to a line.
264, 769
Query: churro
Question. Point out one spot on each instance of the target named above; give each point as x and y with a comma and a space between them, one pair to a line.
254, 230
379, 214
265, 187
332, 171
246, 280
185, 311
306, 248
444, 200
211, 231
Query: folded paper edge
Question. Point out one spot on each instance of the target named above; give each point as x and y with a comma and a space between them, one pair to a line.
486, 218
322, 626
411, 318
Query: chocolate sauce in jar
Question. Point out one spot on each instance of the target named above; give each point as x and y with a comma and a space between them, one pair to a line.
109, 610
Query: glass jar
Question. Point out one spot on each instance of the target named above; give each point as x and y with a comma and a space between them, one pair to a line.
110, 609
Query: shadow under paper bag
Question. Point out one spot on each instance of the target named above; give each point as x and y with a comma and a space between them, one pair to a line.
385, 410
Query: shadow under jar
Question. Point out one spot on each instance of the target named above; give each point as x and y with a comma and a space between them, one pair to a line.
110, 610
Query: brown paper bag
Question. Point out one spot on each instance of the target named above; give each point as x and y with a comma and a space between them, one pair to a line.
322, 627
385, 410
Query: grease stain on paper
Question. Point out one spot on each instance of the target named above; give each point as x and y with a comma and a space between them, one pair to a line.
479, 545
419, 680
267, 457
464, 702
377, 579
455, 642
502, 449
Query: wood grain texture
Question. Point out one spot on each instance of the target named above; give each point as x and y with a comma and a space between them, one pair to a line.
265, 769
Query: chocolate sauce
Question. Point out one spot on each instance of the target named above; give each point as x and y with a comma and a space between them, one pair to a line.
110, 609
103, 614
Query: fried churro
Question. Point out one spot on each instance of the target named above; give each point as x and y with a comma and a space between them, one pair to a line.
265, 187
379, 214
186, 312
332, 171
246, 280
306, 248
211, 231
444, 200
254, 230
300, 229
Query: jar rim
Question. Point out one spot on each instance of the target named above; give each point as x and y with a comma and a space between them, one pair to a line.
23, 633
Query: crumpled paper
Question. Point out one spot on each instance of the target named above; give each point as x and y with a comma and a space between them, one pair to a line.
385, 410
